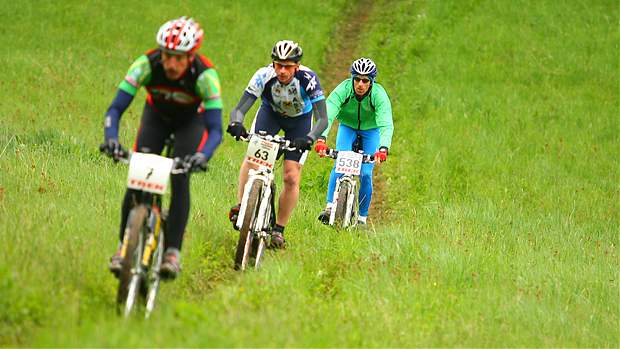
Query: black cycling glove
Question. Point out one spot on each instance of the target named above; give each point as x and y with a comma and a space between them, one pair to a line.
303, 143
237, 130
114, 149
198, 161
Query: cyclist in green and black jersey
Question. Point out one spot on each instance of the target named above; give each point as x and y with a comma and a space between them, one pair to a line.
183, 99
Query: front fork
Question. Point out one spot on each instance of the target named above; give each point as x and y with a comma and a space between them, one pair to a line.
350, 200
154, 229
153, 226
266, 178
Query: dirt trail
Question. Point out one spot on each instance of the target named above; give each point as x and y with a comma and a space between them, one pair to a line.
344, 48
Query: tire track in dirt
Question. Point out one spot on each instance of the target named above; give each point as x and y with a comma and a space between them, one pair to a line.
346, 39
341, 52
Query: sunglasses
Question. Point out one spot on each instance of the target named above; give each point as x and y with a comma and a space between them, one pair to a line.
364, 80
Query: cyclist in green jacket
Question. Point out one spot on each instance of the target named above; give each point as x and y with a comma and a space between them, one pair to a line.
364, 112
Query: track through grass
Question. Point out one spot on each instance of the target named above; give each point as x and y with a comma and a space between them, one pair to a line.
501, 192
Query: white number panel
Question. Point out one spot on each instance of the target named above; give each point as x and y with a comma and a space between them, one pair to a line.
149, 172
349, 162
262, 152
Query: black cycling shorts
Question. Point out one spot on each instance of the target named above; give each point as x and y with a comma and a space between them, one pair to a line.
294, 127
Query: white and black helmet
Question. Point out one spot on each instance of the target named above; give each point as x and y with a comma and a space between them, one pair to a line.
286, 50
364, 66
181, 35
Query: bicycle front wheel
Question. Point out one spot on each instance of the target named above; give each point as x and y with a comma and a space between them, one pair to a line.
244, 245
129, 278
341, 203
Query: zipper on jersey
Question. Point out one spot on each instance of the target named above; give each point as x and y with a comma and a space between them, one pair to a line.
359, 119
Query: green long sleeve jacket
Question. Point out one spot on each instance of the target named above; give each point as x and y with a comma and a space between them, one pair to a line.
373, 111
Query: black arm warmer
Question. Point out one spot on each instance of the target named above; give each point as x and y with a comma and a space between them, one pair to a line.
320, 116
245, 103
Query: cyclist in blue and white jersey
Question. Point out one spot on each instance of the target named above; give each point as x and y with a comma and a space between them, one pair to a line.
290, 94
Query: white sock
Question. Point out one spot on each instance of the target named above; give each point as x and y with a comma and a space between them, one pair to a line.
362, 218
329, 205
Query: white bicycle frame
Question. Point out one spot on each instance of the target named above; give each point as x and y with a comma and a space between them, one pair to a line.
262, 222
266, 176
148, 173
349, 175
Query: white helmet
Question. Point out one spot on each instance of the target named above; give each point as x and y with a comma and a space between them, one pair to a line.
364, 66
286, 50
181, 35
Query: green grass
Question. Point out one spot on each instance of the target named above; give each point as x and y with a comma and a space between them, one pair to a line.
502, 182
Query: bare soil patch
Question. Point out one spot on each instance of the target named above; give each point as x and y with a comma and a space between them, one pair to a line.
342, 52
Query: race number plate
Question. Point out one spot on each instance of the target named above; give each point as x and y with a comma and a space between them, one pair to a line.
349, 162
262, 152
149, 172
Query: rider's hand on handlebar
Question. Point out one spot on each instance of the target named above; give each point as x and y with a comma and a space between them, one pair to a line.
113, 149
381, 155
198, 161
237, 130
303, 143
320, 147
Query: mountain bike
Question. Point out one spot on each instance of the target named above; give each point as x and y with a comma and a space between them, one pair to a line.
257, 212
143, 243
349, 164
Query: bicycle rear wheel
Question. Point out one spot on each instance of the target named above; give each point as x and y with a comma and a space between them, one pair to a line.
244, 245
129, 278
341, 204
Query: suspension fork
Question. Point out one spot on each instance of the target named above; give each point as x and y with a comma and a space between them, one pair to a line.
154, 225
265, 212
272, 212
138, 197
344, 178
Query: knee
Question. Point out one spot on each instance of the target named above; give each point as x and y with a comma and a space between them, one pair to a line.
291, 179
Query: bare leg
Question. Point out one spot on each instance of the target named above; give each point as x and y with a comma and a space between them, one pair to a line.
290, 192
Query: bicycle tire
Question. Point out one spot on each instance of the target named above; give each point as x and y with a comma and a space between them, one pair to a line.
354, 204
244, 245
135, 224
341, 203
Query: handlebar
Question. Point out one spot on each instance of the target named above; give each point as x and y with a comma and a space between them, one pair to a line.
284, 143
179, 166
120, 154
367, 158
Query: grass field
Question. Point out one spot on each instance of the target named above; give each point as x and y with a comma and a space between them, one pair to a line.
500, 226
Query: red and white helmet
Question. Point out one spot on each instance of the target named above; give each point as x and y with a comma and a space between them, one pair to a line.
182, 35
